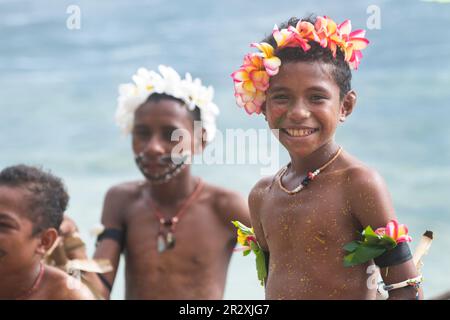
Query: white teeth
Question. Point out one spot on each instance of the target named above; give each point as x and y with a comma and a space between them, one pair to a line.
300, 132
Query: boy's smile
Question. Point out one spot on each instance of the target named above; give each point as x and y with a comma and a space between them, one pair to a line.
300, 132
303, 102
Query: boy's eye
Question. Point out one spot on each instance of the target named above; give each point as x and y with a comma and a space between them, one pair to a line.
141, 133
317, 98
280, 97
167, 134
5, 226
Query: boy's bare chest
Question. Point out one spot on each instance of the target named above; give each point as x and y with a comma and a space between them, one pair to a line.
320, 214
191, 233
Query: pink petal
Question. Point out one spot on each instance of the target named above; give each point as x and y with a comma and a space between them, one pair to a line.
359, 43
252, 60
272, 65
355, 59
239, 249
250, 107
260, 97
239, 101
265, 48
260, 79
331, 26
390, 230
282, 37
404, 238
358, 34
305, 27
320, 24
345, 27
240, 75
380, 231
248, 86
402, 230
247, 97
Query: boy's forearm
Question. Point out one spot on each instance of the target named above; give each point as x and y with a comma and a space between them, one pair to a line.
97, 285
407, 293
92, 278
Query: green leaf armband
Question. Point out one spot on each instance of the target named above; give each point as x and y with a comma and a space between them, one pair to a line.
376, 243
247, 239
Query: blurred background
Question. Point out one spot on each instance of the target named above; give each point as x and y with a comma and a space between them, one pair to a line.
58, 91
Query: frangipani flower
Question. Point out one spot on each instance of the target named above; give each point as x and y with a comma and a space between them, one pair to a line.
250, 82
247, 239
352, 43
168, 81
375, 243
325, 28
398, 232
303, 33
282, 37
271, 62
244, 239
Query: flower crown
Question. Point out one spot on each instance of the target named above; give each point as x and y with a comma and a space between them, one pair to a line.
191, 91
252, 79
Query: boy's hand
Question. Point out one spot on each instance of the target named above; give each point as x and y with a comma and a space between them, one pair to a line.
69, 231
68, 227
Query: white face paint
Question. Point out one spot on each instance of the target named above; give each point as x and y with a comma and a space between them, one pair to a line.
173, 167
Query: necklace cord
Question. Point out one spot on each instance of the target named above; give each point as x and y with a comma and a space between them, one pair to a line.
309, 177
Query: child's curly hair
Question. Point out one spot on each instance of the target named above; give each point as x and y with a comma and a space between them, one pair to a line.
341, 71
47, 198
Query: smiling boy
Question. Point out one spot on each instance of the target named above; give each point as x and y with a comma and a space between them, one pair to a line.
306, 213
32, 204
173, 228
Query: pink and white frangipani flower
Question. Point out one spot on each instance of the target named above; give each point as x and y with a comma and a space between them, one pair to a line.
398, 232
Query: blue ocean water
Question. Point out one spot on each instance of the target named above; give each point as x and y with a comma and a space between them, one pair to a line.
58, 90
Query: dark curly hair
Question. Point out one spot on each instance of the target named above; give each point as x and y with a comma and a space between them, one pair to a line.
47, 198
156, 97
341, 72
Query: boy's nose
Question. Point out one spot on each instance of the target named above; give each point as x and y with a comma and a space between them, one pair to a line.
299, 113
154, 147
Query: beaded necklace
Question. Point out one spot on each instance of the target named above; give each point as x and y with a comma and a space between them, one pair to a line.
309, 177
35, 285
166, 228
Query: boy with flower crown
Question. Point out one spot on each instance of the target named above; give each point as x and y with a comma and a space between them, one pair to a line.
173, 228
308, 217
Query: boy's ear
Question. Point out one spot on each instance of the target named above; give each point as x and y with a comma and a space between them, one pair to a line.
47, 239
200, 142
348, 103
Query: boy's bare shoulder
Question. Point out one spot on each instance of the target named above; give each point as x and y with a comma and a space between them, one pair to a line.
61, 286
227, 202
116, 201
124, 190
361, 178
370, 201
260, 189
221, 197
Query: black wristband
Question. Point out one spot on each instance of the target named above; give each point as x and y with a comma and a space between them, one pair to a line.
105, 282
113, 234
398, 255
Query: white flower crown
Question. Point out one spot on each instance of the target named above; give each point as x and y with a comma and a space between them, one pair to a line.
191, 91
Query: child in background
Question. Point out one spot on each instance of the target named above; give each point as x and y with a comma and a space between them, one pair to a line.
32, 204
